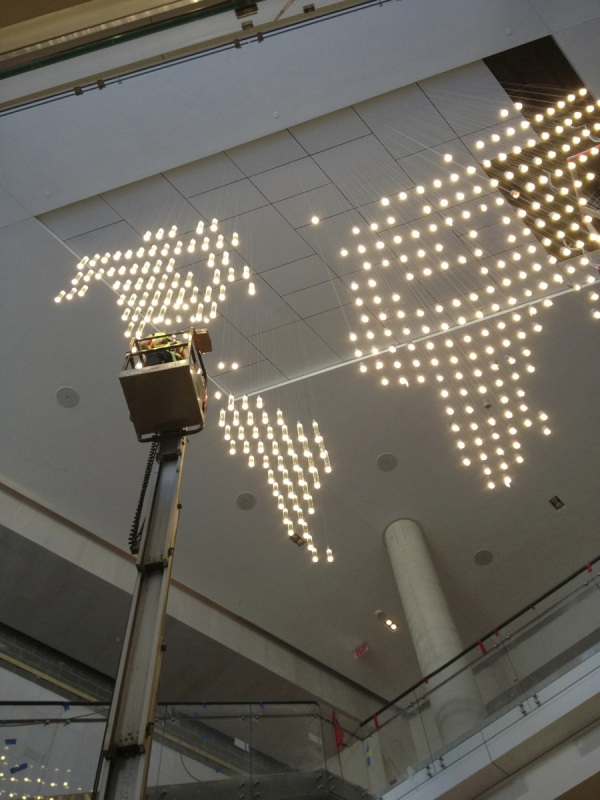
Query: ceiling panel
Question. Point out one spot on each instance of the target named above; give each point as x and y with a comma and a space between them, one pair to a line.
202, 176
297, 275
257, 377
108, 239
363, 170
10, 210
266, 153
334, 233
397, 212
267, 240
229, 201
558, 16
334, 328
81, 217
322, 297
229, 345
428, 165
330, 130
295, 350
493, 239
326, 201
265, 311
152, 204
290, 179
405, 121
469, 98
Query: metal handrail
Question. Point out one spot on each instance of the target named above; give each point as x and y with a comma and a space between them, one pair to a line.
122, 36
478, 644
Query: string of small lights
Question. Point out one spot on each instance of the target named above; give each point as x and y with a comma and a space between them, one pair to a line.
286, 457
149, 286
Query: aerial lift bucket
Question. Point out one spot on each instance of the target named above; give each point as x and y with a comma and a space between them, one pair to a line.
169, 396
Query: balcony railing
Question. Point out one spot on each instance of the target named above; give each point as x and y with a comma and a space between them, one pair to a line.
272, 751
511, 664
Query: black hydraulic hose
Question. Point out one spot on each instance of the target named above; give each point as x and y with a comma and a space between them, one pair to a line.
134, 535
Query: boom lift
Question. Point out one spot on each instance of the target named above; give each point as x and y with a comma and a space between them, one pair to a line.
167, 403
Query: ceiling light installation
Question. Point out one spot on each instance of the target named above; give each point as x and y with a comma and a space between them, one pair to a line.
457, 294
149, 287
152, 291
267, 442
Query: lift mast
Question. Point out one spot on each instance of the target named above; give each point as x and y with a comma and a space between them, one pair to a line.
167, 403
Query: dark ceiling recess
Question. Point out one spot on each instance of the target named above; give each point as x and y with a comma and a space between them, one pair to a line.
534, 74
13, 13
541, 184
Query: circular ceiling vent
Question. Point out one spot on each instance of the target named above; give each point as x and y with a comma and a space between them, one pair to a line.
387, 462
67, 397
483, 557
245, 501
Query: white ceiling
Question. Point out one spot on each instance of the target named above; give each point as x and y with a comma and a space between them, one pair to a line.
292, 344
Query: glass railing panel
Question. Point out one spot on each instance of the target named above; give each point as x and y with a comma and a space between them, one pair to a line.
354, 769
49, 749
353, 757
202, 743
286, 738
492, 679
451, 709
287, 752
404, 737
556, 638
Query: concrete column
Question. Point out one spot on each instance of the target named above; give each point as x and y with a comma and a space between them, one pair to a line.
456, 705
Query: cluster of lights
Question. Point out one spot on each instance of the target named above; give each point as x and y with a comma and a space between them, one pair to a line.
149, 287
387, 621
285, 456
223, 366
460, 313
27, 791
541, 181
477, 372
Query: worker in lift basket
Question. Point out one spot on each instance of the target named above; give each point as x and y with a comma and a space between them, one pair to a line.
157, 355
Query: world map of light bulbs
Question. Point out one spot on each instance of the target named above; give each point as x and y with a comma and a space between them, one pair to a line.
437, 304
435, 301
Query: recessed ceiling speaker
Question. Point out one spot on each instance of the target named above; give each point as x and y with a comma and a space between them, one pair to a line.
483, 557
245, 501
67, 397
387, 462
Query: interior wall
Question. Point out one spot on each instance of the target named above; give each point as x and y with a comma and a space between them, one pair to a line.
568, 772
220, 97
12, 13
206, 645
